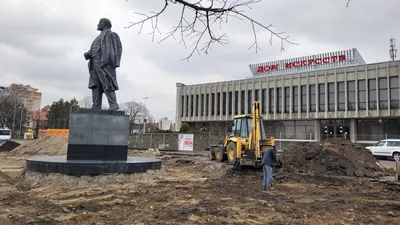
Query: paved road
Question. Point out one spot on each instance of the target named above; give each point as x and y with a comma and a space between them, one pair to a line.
388, 164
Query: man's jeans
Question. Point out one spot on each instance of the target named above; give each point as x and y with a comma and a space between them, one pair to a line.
267, 176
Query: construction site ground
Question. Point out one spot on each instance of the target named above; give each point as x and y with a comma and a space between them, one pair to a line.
189, 189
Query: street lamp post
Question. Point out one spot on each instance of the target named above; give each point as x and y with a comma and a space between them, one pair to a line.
13, 122
20, 123
145, 114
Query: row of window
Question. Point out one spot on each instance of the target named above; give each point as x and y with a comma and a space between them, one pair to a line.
378, 93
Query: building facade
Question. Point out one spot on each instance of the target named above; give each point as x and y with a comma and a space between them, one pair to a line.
30, 97
332, 95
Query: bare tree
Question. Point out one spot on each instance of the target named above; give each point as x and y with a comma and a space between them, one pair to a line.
135, 111
10, 112
205, 14
86, 102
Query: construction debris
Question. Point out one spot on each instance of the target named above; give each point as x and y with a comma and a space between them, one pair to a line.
43, 146
9, 146
331, 157
188, 189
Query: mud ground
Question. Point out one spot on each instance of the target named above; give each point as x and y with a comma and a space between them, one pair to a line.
189, 190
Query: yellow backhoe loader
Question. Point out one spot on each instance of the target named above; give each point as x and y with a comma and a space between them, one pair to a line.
246, 142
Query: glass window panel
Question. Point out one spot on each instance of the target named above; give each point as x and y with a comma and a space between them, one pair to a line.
372, 93
312, 98
287, 99
271, 100
263, 101
279, 99
331, 97
382, 83
394, 82
341, 96
303, 98
321, 96
295, 99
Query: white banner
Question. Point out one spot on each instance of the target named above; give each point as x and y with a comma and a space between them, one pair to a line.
185, 142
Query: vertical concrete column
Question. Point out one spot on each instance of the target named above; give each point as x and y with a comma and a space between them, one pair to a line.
233, 99
240, 98
195, 104
189, 116
317, 130
209, 101
178, 119
221, 101
353, 130
204, 102
246, 97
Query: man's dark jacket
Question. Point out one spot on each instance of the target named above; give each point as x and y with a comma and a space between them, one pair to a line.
269, 157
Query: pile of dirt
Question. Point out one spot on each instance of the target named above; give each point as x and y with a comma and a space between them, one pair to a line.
331, 157
43, 146
9, 146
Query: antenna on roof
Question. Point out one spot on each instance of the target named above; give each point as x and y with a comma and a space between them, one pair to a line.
392, 50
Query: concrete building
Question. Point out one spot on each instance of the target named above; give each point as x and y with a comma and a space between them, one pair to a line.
165, 124
331, 95
30, 97
41, 116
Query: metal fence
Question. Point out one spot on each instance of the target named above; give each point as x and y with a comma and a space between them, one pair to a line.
169, 141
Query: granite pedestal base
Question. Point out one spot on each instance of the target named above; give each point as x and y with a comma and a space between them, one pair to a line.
60, 164
98, 135
97, 144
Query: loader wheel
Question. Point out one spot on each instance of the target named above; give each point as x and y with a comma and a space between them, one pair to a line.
231, 152
219, 154
211, 155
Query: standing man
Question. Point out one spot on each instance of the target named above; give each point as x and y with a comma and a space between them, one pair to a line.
268, 160
104, 57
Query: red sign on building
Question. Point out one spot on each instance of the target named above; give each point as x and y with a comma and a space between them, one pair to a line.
308, 63
303, 63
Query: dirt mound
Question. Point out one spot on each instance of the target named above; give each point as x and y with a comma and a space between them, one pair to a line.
43, 146
8, 146
331, 157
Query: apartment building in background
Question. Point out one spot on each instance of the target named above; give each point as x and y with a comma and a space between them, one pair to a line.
30, 97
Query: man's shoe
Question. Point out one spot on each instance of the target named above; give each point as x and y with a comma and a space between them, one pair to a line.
264, 188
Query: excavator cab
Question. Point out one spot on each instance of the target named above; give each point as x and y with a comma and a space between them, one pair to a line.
246, 141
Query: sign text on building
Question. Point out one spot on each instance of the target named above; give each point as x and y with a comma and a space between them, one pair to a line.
302, 63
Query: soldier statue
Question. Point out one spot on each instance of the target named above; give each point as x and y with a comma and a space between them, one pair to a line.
104, 57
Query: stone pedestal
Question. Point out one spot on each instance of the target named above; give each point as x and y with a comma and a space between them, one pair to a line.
97, 144
98, 135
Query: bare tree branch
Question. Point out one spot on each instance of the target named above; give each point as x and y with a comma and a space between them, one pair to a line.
203, 18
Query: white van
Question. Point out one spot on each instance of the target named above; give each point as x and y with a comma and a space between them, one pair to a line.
389, 148
5, 135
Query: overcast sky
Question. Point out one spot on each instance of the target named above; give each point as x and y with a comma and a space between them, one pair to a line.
42, 44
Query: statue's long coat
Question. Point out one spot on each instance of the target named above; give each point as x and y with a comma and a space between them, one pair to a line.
106, 50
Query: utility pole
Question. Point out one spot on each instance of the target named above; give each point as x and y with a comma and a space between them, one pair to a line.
392, 50
20, 123
145, 115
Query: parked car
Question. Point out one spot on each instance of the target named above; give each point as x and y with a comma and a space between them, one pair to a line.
389, 148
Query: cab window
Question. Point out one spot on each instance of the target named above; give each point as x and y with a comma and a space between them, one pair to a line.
236, 130
381, 143
244, 131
